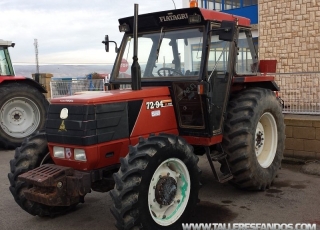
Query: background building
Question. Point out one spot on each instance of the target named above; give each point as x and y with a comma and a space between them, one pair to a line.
290, 32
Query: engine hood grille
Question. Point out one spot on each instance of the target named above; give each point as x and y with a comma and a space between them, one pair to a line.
87, 124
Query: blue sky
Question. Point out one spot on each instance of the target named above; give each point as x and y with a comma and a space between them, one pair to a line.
68, 31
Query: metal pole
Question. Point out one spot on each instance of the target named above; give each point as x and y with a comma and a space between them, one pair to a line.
135, 68
37, 75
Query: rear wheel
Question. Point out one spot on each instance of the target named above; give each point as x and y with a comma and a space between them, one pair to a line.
254, 138
32, 153
22, 111
157, 184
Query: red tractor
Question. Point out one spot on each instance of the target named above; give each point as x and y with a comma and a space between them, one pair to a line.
23, 106
201, 94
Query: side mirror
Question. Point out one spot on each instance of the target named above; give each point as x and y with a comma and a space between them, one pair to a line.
106, 43
227, 30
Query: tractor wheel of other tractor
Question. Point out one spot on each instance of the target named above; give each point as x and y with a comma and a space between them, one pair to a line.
32, 153
254, 138
157, 185
23, 110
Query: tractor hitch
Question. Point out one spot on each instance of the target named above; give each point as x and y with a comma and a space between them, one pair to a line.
55, 185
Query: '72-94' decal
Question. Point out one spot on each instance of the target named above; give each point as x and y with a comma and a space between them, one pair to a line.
158, 104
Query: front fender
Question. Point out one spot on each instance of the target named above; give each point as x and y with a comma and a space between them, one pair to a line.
29, 81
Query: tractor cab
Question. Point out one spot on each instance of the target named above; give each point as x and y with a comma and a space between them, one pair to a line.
193, 51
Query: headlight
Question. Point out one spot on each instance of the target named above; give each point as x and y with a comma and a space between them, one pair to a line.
80, 155
58, 152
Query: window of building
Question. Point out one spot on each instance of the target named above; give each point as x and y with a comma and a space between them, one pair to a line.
227, 4
231, 4
213, 4
250, 2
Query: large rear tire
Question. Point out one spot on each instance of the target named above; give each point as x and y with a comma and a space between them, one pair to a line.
33, 152
23, 111
157, 185
254, 138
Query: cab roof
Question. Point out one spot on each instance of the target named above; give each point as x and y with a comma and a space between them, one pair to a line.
180, 17
5, 43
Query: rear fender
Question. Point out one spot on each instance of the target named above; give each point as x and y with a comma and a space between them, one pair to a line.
272, 85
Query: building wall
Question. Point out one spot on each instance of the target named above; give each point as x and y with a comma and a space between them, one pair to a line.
289, 31
302, 136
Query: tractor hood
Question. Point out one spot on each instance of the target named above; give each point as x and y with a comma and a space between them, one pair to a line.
92, 97
94, 118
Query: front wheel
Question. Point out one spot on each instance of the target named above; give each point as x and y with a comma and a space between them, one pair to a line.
157, 184
254, 138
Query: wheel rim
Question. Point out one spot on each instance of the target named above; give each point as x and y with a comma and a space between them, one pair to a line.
266, 140
169, 192
20, 117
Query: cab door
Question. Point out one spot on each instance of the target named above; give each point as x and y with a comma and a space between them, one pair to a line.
220, 69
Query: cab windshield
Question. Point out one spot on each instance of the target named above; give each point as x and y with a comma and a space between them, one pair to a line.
164, 54
5, 63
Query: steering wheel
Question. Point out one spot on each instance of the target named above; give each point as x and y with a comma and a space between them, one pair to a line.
171, 72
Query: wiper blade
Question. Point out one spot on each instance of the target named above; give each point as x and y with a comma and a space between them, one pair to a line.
159, 44
215, 65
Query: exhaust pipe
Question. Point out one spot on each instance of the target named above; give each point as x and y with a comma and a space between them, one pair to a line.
135, 67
